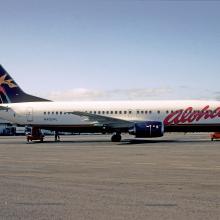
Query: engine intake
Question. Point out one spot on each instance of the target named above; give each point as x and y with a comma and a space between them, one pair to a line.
147, 129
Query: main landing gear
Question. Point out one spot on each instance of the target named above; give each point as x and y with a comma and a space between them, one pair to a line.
56, 136
116, 137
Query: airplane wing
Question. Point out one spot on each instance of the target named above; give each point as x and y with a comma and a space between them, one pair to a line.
101, 120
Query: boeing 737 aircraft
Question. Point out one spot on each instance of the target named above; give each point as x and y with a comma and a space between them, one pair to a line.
143, 119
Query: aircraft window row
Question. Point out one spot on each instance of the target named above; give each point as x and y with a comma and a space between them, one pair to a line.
54, 113
124, 112
127, 112
106, 112
109, 112
118, 112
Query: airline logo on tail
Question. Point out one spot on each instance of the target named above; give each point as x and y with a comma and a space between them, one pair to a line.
4, 98
8, 82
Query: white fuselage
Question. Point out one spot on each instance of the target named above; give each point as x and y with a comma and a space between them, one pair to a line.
169, 112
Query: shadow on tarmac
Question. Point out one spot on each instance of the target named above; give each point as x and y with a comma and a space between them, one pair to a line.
124, 141
141, 141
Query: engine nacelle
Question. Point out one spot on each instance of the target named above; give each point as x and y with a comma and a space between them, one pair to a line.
147, 129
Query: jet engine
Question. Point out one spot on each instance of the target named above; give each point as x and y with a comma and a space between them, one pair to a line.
147, 129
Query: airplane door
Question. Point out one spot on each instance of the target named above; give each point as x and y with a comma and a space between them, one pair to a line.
29, 114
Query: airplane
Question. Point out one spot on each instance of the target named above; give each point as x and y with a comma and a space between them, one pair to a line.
143, 119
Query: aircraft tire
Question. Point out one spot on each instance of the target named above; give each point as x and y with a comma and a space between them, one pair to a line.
116, 138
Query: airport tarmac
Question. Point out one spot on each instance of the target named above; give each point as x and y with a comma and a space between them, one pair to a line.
88, 177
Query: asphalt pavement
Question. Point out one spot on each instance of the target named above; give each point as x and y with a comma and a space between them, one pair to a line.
89, 177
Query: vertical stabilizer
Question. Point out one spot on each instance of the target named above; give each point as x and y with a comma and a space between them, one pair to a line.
10, 92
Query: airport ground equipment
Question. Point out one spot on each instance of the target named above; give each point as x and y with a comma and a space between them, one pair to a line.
35, 135
215, 136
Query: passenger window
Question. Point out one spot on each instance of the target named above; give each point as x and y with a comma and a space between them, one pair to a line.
116, 112
111, 112
137, 112
99, 112
61, 113
103, 112
107, 112
94, 112
57, 113
120, 112
45, 113
125, 112
52, 113
145, 112
142, 112
130, 112
158, 112
150, 112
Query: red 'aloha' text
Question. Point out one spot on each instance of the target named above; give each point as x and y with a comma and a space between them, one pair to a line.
190, 115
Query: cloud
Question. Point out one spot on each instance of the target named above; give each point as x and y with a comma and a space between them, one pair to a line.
217, 95
148, 93
84, 94
75, 94
157, 93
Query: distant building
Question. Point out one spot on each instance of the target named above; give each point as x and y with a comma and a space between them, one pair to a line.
6, 128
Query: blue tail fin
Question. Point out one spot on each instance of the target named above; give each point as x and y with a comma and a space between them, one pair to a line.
10, 92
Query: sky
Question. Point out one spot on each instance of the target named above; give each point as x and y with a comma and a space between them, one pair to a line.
112, 49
